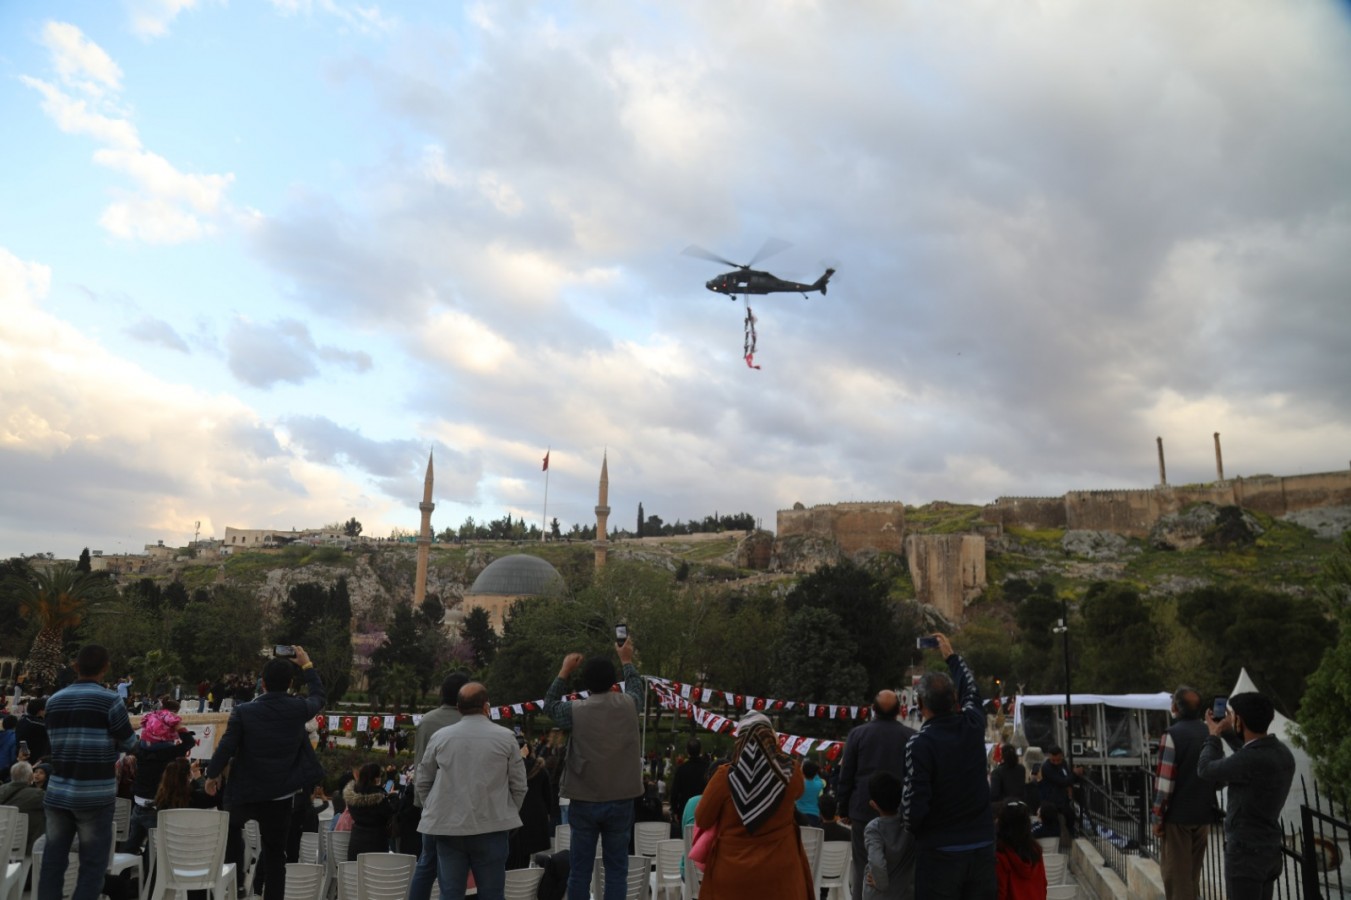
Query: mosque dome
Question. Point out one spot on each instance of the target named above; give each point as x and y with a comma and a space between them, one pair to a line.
517, 575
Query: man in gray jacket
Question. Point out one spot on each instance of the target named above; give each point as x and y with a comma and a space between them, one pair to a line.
471, 783
603, 770
1258, 774
445, 715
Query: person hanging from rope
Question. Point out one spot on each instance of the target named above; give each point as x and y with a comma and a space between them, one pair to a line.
748, 345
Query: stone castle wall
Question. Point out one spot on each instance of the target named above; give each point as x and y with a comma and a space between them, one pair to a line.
1027, 512
854, 526
948, 570
1134, 512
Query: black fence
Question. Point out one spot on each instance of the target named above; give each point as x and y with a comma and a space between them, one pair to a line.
1317, 866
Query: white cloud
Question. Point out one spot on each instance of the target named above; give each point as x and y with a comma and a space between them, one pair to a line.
80, 63
74, 116
362, 19
151, 18
142, 456
171, 206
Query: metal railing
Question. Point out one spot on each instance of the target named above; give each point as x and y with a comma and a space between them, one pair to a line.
1116, 823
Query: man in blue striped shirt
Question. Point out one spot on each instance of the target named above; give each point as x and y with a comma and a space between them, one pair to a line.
88, 728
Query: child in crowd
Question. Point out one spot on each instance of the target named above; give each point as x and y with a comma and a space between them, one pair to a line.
161, 725
1018, 862
809, 803
889, 874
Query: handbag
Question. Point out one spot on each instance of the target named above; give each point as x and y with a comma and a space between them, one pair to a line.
701, 844
344, 821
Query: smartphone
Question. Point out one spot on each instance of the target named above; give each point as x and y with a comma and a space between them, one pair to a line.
1220, 708
284, 650
621, 634
928, 642
23, 748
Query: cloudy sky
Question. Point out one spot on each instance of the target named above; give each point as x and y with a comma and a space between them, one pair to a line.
257, 258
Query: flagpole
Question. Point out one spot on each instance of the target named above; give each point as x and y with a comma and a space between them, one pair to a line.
544, 522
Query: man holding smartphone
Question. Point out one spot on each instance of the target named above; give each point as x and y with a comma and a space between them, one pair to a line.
1258, 774
273, 759
603, 769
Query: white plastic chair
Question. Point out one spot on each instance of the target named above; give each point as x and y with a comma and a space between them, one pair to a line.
646, 836
832, 873
335, 852
190, 845
522, 884
309, 847
636, 883
562, 838
347, 881
253, 851
1049, 844
384, 876
669, 854
72, 867
121, 819
122, 862
304, 881
1062, 892
18, 863
812, 839
1055, 867
150, 838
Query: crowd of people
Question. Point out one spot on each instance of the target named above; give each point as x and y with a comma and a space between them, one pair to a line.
924, 812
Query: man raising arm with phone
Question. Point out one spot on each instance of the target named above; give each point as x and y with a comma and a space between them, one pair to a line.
603, 770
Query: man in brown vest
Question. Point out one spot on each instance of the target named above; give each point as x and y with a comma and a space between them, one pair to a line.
603, 770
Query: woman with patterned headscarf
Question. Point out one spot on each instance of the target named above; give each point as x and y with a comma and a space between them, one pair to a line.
758, 851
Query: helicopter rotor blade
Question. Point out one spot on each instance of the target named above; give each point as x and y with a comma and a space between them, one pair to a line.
770, 247
699, 252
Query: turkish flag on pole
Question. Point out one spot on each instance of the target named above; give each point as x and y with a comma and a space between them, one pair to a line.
546, 461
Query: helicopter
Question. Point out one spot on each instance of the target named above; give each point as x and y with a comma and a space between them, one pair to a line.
750, 281
746, 281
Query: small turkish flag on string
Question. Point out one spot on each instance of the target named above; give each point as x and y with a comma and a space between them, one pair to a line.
546, 460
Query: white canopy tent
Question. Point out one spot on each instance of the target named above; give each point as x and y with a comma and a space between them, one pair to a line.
1116, 738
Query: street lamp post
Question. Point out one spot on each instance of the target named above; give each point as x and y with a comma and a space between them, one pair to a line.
1062, 628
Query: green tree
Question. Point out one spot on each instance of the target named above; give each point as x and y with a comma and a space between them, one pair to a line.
220, 637
155, 669
352, 528
1322, 712
815, 660
1278, 638
1036, 655
1118, 641
555, 530
477, 630
860, 598
319, 619
984, 644
57, 599
402, 667
176, 596
84, 564
146, 595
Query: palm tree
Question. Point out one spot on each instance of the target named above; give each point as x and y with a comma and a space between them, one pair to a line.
58, 599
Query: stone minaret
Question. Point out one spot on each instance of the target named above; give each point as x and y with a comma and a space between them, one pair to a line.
603, 513
424, 539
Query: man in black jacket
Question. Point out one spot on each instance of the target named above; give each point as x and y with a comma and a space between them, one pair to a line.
876, 746
1258, 774
688, 781
946, 803
267, 740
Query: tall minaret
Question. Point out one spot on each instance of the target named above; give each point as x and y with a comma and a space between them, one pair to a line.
424, 540
603, 513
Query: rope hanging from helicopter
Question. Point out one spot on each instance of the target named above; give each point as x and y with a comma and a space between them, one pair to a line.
748, 343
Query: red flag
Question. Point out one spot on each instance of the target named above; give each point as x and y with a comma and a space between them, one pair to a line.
546, 460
